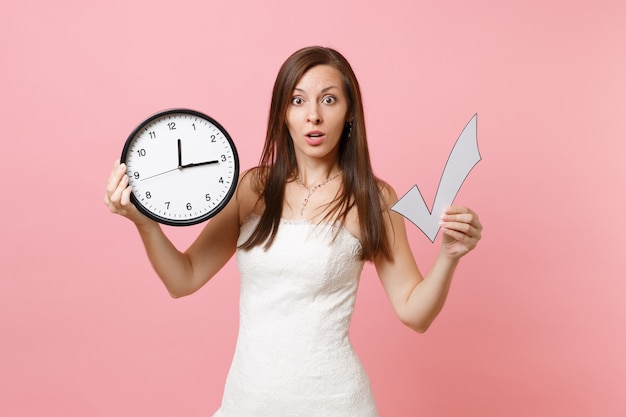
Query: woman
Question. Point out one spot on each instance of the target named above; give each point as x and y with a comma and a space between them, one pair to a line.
302, 224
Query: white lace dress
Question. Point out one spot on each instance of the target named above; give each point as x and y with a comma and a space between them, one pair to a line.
293, 356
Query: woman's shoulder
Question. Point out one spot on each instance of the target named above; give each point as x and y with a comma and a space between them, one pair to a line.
388, 195
249, 191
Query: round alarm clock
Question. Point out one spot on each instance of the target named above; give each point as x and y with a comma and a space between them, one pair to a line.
182, 165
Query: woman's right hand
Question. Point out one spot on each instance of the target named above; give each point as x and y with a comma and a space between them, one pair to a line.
117, 196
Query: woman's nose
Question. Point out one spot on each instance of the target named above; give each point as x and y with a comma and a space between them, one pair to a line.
314, 116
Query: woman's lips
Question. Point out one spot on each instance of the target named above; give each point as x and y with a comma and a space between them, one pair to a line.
315, 137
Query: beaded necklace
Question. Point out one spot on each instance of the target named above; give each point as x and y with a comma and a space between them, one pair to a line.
313, 189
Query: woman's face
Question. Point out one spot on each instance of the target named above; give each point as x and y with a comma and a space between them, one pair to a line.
317, 113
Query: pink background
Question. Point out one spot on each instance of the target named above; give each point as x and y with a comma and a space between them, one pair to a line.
535, 324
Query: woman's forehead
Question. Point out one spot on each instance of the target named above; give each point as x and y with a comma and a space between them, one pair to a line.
319, 79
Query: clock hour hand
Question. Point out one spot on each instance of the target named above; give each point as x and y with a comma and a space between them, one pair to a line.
193, 164
197, 164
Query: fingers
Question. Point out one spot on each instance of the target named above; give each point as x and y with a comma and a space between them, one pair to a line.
114, 177
468, 239
125, 199
460, 218
117, 195
462, 230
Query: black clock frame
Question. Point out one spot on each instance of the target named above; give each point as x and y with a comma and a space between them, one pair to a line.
231, 191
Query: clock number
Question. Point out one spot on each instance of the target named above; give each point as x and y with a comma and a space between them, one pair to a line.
148, 195
141, 152
221, 180
136, 175
194, 126
172, 125
167, 204
188, 206
223, 158
152, 135
207, 197
213, 138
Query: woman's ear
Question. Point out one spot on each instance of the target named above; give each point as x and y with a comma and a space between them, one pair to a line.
348, 127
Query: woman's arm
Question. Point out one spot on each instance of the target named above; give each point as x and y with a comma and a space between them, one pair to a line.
417, 300
182, 272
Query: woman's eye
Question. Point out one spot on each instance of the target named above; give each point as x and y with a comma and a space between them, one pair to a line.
297, 100
329, 100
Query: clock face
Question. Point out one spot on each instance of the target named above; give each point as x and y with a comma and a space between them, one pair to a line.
183, 167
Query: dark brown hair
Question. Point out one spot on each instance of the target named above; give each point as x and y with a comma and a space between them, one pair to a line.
277, 166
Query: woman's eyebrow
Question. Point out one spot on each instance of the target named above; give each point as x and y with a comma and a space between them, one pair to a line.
325, 89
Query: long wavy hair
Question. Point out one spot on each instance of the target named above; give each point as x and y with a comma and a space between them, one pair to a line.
278, 165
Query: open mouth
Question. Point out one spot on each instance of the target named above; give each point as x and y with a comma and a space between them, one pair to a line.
315, 139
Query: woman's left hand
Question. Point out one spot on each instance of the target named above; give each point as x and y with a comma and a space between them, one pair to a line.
461, 231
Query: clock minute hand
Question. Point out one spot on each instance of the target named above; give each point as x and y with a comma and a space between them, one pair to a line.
180, 155
197, 164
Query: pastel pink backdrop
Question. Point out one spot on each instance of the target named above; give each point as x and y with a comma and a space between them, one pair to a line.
535, 322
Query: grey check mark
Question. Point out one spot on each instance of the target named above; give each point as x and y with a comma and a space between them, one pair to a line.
463, 157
